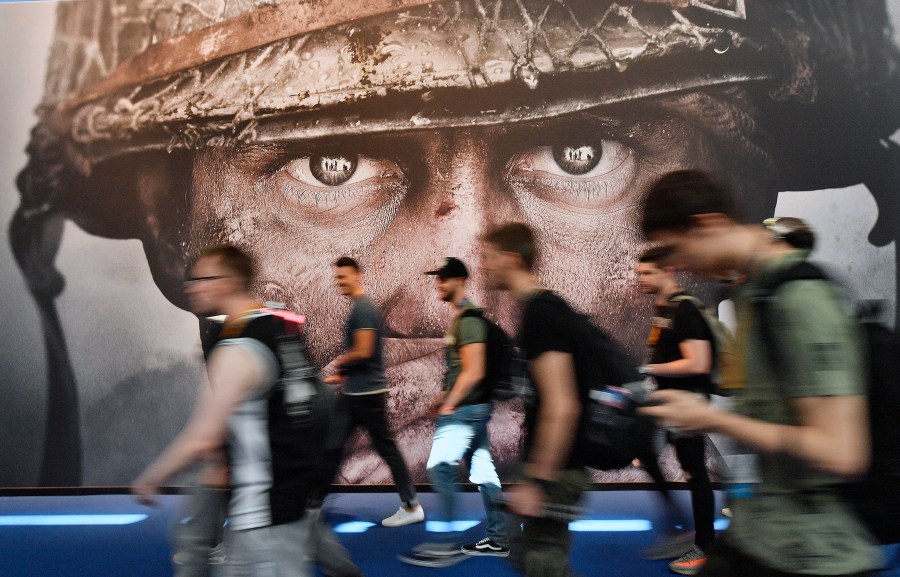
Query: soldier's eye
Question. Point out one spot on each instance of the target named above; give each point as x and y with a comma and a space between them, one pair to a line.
577, 159
578, 174
333, 169
340, 180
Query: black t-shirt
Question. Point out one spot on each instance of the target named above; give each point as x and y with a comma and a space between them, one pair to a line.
550, 324
675, 322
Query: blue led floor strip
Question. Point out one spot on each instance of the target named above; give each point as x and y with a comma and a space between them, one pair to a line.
68, 520
582, 525
610, 525
353, 527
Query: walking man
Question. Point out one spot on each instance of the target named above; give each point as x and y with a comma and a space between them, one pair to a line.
462, 410
681, 358
361, 370
553, 474
805, 416
272, 463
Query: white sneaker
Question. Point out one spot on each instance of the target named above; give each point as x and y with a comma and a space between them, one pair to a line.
403, 517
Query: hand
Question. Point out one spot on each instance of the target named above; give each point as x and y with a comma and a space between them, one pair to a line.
144, 490
681, 411
436, 404
214, 474
445, 410
335, 379
526, 499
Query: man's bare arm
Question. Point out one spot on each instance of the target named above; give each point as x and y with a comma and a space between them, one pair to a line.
696, 359
832, 434
553, 373
363, 348
233, 374
472, 358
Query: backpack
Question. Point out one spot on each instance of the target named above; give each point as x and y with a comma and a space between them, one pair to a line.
611, 434
505, 372
722, 344
308, 402
876, 497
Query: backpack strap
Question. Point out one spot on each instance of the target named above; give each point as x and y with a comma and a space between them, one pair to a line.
764, 311
471, 313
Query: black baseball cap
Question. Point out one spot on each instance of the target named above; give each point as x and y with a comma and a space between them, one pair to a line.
449, 267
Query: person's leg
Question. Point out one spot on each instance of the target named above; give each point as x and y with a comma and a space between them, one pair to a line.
290, 545
546, 540
691, 455
201, 532
327, 552
369, 412
483, 473
670, 543
452, 439
691, 452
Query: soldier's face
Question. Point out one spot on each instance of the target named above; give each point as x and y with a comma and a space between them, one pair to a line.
398, 202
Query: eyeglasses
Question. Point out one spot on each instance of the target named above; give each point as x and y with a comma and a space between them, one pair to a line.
197, 279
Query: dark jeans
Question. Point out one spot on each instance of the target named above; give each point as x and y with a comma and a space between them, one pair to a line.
726, 561
368, 412
545, 542
691, 453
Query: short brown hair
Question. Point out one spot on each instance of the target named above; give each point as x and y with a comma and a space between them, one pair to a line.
677, 197
238, 262
656, 255
515, 237
347, 261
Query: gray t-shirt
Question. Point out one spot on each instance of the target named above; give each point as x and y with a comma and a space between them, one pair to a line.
366, 376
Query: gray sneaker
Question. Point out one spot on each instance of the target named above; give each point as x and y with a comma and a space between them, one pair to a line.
690, 563
217, 555
669, 546
433, 555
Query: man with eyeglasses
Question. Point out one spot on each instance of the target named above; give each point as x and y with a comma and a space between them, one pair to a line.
273, 465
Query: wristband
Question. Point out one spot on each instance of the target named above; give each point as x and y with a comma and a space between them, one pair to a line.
545, 485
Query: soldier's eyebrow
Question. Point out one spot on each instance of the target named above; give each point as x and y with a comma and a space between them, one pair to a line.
263, 158
587, 127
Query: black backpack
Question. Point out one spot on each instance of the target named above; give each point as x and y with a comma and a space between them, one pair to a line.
505, 375
611, 433
308, 402
876, 498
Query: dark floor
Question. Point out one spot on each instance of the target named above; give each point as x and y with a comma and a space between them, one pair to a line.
113, 536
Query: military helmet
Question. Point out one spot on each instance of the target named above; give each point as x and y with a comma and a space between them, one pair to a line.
132, 75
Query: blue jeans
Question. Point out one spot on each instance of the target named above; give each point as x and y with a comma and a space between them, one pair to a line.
464, 435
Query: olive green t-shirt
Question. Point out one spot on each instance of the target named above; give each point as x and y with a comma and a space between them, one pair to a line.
795, 522
464, 331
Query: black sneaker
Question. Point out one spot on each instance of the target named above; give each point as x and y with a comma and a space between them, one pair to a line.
486, 546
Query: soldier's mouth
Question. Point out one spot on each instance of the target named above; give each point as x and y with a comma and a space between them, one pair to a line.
399, 350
